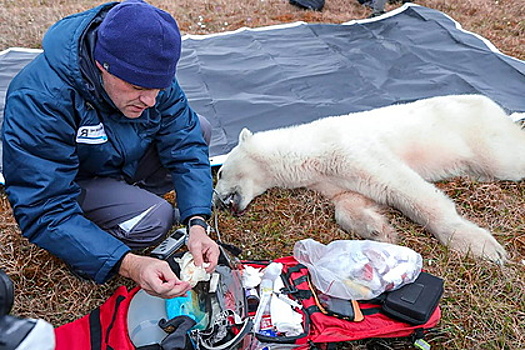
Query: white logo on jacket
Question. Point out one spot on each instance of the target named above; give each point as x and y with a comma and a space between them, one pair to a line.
92, 134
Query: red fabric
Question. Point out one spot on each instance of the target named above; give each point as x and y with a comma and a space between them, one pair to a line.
325, 328
76, 335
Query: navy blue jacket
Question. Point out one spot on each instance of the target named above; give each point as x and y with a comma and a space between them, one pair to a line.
49, 106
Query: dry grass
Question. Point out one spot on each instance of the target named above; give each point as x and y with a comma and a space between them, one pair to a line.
483, 306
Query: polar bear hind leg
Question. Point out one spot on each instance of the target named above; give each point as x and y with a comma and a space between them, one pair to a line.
362, 216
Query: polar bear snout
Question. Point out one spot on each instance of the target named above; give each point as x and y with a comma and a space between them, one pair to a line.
221, 202
229, 201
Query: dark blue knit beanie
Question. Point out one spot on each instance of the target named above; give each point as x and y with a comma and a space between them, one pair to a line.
139, 44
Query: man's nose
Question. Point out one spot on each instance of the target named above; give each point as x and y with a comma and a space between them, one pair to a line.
148, 97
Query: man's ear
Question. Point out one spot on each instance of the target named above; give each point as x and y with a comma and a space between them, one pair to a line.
244, 135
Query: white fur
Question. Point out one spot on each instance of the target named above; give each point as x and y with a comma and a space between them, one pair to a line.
386, 156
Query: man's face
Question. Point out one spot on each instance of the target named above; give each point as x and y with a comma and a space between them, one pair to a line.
130, 99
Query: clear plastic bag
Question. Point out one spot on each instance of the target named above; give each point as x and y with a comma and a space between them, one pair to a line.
358, 269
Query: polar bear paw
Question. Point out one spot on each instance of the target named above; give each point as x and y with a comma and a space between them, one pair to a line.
480, 244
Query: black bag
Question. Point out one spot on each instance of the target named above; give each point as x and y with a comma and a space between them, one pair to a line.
415, 302
315, 5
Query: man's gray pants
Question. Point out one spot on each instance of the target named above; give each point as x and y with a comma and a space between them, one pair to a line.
133, 210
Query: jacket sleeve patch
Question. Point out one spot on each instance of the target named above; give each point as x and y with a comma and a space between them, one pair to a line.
92, 134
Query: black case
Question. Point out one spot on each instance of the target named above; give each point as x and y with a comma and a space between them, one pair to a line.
414, 302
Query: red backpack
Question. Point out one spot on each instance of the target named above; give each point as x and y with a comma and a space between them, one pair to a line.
103, 328
106, 327
371, 319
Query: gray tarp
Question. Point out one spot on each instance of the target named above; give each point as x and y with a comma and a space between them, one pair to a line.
277, 76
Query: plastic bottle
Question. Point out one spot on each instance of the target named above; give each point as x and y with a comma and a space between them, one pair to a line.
262, 319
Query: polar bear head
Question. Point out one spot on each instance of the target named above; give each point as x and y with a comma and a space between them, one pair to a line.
242, 177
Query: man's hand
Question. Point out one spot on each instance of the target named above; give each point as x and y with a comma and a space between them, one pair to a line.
153, 275
203, 248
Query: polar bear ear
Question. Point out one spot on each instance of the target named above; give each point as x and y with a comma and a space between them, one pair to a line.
244, 135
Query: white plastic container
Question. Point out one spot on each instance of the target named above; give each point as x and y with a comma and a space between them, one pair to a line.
271, 273
144, 314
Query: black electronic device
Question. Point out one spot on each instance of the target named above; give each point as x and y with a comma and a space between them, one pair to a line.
170, 245
342, 307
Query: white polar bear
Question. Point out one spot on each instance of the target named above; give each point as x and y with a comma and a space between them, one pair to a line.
386, 156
